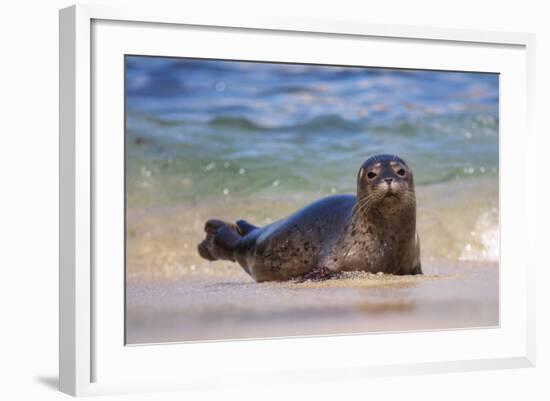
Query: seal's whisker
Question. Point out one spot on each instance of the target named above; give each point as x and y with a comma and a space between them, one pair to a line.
367, 201
361, 207
361, 202
409, 197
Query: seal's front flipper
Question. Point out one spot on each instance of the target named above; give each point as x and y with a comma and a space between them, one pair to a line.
317, 274
245, 227
220, 242
417, 269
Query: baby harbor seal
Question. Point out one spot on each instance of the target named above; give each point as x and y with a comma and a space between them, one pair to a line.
374, 231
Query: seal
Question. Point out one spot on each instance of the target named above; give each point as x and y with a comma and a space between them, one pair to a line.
373, 231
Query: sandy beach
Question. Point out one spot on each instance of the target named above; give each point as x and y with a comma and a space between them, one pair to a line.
226, 304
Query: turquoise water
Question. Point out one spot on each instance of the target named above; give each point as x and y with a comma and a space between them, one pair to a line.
198, 130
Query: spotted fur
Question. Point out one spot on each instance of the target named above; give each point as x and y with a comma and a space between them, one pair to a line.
374, 230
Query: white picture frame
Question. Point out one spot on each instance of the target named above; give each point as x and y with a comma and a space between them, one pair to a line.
87, 352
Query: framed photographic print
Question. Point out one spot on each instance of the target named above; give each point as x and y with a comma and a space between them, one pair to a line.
271, 193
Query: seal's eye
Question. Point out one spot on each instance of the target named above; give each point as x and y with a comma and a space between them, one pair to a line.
401, 172
371, 175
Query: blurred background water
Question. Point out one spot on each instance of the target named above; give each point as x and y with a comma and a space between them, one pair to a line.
253, 140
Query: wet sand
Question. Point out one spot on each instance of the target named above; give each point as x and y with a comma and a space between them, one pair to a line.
227, 304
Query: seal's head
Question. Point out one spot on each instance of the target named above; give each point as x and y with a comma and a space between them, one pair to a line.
385, 180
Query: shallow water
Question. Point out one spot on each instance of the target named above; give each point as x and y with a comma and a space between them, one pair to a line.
258, 141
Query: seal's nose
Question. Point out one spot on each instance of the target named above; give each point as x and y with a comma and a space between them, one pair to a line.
388, 180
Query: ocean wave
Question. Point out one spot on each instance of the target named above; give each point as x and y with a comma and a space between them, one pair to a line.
241, 123
485, 245
463, 126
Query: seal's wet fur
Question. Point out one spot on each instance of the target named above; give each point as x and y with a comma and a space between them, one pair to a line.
373, 231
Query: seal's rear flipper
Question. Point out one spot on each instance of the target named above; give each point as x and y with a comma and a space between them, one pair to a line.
221, 240
245, 227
